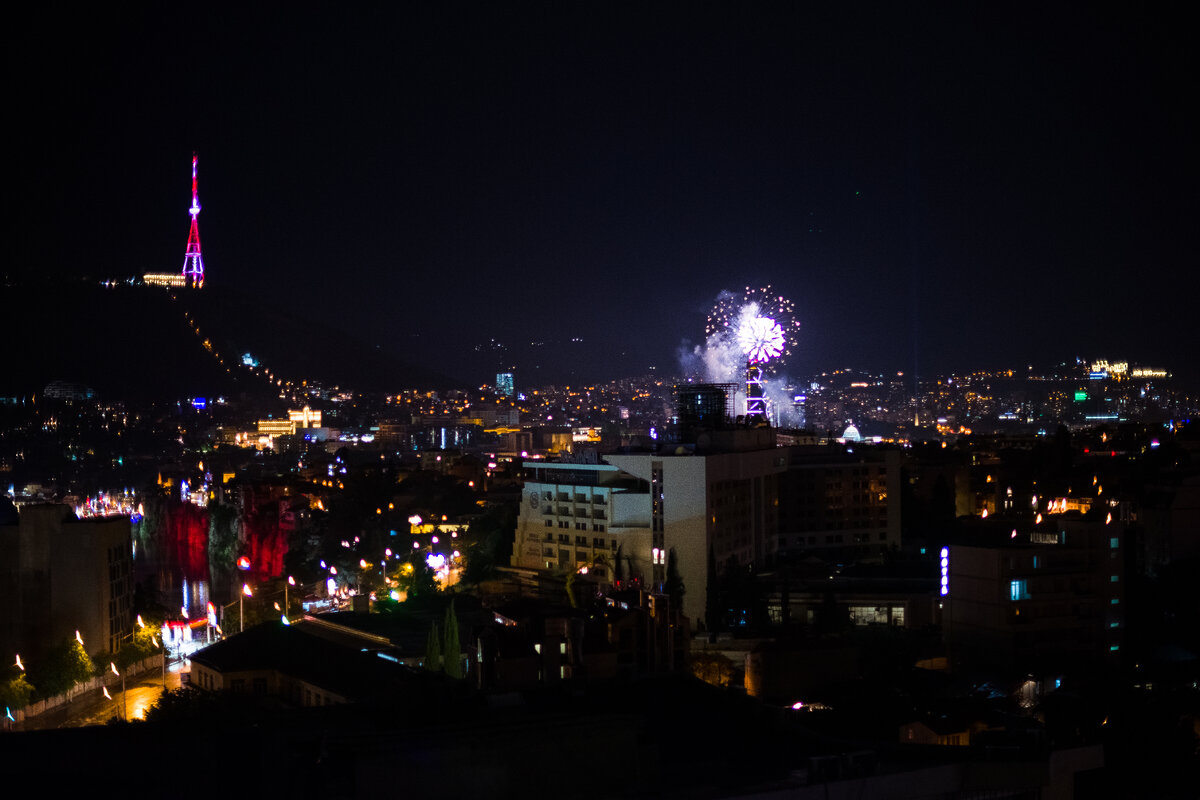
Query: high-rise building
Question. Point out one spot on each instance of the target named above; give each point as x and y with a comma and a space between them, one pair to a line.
833, 500
721, 503
504, 384
60, 574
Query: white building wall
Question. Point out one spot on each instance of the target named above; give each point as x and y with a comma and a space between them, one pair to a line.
624, 516
688, 517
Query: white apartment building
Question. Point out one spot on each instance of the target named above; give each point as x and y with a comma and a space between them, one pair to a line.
647, 504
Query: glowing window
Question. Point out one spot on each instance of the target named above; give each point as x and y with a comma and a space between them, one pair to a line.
1018, 590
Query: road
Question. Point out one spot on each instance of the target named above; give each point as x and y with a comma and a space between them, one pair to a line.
93, 708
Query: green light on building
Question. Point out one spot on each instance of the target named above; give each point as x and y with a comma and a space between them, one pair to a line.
1080, 397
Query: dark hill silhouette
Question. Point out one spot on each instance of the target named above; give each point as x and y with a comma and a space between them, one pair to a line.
134, 342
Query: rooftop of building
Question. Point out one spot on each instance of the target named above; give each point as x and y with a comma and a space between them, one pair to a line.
306, 651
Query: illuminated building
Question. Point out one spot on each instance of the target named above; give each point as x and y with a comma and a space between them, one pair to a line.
1114, 370
193, 263
504, 384
576, 515
168, 279
60, 574
276, 427
271, 429
63, 390
723, 501
305, 418
585, 435
492, 417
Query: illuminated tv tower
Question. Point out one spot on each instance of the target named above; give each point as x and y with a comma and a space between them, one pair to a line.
193, 264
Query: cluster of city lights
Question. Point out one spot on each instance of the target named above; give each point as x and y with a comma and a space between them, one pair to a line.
105, 504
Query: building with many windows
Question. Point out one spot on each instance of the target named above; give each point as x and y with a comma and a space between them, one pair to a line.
579, 515
718, 500
60, 574
833, 500
1038, 600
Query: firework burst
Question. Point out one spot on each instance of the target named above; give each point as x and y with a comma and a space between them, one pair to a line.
731, 309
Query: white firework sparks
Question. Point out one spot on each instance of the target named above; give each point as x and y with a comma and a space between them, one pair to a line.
730, 309
760, 338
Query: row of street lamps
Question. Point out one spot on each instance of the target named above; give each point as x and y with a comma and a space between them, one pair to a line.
113, 667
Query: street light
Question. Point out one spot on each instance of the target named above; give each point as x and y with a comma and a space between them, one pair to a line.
124, 705
153, 639
290, 582
241, 616
164, 658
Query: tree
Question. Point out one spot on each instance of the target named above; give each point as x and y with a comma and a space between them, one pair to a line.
491, 539
143, 644
223, 538
452, 650
831, 617
711, 613
63, 666
433, 650
674, 586
15, 689
416, 577
573, 588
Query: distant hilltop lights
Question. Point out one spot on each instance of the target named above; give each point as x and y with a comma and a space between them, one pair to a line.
1120, 370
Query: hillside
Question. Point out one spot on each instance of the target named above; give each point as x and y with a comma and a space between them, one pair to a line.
133, 342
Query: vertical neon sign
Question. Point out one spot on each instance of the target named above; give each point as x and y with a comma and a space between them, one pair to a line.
945, 554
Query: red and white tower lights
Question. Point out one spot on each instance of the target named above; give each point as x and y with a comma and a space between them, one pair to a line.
193, 263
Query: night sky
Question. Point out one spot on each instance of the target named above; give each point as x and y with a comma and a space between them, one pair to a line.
939, 189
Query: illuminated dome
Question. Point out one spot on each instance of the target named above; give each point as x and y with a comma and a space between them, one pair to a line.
851, 434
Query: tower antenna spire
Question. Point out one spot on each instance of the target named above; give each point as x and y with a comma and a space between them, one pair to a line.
193, 263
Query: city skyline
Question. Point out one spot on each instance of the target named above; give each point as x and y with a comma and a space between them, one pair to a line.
934, 193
